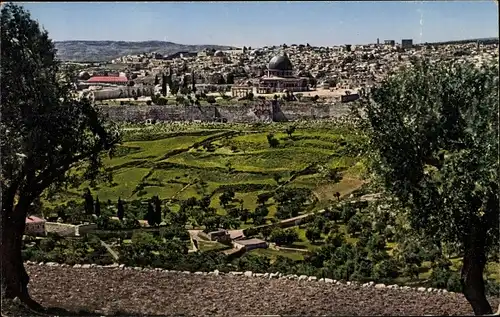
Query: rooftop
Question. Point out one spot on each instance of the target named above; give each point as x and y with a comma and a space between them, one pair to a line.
250, 241
108, 79
34, 219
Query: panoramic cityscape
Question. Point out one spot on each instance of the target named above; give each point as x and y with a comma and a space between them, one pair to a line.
250, 159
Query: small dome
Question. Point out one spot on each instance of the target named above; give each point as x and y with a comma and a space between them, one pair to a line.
281, 62
218, 54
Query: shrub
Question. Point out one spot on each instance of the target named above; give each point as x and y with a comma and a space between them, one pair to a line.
211, 99
313, 234
254, 263
363, 270
492, 287
335, 239
439, 277
283, 236
385, 270
273, 142
354, 225
454, 284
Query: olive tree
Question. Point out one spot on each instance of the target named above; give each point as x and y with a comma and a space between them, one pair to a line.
434, 132
48, 138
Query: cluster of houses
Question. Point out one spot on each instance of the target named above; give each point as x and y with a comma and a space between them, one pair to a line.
277, 69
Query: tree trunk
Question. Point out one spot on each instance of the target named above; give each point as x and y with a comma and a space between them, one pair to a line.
14, 277
472, 274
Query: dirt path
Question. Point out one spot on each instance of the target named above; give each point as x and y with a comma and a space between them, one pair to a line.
111, 251
158, 293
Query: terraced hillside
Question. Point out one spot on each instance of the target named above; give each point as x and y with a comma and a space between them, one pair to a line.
192, 163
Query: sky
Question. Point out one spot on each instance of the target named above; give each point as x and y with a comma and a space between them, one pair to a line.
258, 24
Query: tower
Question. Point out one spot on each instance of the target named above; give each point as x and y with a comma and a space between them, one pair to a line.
378, 41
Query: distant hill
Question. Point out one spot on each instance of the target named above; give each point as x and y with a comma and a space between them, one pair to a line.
486, 41
93, 51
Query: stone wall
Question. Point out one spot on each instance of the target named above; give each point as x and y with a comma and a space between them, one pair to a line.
232, 113
250, 274
122, 92
63, 229
84, 229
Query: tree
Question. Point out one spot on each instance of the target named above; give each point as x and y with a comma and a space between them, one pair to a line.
335, 239
211, 99
174, 88
258, 220
228, 222
290, 130
273, 142
354, 224
244, 215
261, 211
121, 210
165, 212
434, 129
193, 83
277, 178
211, 223
97, 207
157, 213
89, 202
226, 197
230, 79
263, 198
46, 133
150, 215
313, 234
164, 81
283, 236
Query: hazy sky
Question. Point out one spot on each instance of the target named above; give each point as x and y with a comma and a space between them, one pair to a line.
269, 23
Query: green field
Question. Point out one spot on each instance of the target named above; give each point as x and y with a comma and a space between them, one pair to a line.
171, 164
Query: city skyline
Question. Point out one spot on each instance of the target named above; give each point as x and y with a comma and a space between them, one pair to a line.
268, 23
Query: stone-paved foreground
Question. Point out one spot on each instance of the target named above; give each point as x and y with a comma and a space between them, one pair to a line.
135, 292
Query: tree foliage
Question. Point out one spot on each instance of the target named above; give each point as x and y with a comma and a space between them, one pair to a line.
434, 132
49, 138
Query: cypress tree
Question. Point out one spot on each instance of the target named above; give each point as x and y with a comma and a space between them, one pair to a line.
150, 216
193, 85
157, 203
121, 209
164, 85
97, 207
89, 202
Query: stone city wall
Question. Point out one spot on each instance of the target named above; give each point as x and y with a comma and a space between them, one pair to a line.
122, 92
233, 113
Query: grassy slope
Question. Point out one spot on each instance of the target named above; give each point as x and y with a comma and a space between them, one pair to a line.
253, 162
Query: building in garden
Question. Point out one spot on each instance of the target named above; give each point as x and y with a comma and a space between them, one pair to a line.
35, 226
250, 244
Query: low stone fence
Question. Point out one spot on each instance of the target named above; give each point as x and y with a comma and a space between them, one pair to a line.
250, 274
292, 249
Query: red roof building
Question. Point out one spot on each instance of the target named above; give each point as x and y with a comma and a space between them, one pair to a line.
120, 80
34, 226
